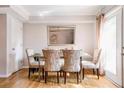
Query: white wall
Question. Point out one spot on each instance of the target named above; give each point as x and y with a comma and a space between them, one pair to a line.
35, 36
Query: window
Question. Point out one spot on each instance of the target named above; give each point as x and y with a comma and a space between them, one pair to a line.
109, 44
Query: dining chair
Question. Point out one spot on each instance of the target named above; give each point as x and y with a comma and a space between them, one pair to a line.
53, 63
33, 64
93, 64
72, 63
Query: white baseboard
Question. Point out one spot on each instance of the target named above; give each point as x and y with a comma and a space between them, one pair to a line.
9, 74
113, 82
5, 76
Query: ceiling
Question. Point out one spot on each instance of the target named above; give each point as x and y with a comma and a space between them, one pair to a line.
59, 10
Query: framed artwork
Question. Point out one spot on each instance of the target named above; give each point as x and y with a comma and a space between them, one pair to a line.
61, 35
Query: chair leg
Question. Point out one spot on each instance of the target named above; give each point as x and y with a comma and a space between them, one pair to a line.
43, 73
77, 77
37, 69
93, 71
33, 69
57, 77
64, 77
29, 70
80, 76
61, 73
98, 73
83, 73
46, 74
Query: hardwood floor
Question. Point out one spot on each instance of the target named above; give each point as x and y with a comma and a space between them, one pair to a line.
20, 80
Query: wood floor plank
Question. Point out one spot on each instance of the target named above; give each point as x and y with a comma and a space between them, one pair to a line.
20, 80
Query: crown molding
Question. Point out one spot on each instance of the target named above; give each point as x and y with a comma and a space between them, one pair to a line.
17, 11
65, 22
20, 11
62, 19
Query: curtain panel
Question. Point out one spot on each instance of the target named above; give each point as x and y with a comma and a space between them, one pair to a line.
99, 29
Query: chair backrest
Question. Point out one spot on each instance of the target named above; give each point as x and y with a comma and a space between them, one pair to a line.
72, 61
52, 60
96, 55
30, 53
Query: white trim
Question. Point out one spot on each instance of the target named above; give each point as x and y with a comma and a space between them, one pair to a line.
113, 82
109, 13
17, 11
9, 74
45, 22
20, 11
5, 76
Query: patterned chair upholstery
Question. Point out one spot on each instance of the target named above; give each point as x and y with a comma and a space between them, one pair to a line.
33, 64
53, 63
94, 64
72, 62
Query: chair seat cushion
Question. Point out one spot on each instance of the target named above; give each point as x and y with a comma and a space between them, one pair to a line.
88, 64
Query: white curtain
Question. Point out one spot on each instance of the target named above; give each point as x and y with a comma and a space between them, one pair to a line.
99, 30
108, 45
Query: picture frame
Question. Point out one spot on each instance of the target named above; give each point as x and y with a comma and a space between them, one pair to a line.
61, 35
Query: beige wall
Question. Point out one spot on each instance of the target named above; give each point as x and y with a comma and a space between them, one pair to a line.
3, 45
85, 37
35, 36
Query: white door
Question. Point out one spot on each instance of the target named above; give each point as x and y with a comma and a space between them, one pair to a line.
113, 46
13, 38
20, 45
123, 51
16, 44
